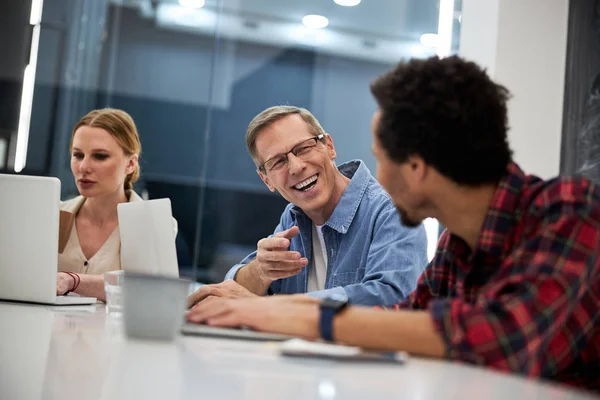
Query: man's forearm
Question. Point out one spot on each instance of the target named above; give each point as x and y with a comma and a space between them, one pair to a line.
248, 277
411, 331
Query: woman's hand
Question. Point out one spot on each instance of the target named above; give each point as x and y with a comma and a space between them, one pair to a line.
64, 283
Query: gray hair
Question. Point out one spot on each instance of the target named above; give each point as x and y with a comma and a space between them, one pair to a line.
272, 114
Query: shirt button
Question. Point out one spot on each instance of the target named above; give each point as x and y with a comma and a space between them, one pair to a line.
85, 263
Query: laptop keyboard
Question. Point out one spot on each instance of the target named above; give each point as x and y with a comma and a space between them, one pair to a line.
74, 300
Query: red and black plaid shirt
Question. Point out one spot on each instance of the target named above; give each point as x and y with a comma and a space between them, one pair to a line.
527, 299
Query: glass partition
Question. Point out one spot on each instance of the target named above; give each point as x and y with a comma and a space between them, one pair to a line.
193, 73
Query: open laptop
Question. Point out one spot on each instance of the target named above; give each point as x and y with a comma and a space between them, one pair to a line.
29, 223
148, 247
147, 232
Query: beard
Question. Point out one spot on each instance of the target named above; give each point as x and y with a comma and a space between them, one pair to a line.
405, 219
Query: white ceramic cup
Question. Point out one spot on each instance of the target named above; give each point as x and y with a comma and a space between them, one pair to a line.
153, 306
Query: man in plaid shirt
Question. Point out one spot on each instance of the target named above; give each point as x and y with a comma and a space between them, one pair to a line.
515, 282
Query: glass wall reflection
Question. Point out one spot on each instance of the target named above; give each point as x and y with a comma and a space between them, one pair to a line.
194, 73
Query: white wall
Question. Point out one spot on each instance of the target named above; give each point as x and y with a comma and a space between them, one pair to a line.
523, 44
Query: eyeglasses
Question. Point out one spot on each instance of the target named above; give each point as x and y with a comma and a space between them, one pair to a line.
301, 150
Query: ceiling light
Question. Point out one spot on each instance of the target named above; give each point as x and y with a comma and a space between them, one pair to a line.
429, 39
347, 3
192, 3
315, 21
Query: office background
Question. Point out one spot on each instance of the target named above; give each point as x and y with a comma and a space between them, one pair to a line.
193, 79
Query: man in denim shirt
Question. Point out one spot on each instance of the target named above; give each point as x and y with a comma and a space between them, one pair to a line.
339, 234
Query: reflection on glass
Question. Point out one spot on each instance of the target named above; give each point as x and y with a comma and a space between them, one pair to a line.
193, 75
347, 3
3, 151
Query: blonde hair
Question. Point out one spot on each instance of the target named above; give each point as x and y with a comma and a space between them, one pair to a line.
121, 126
272, 114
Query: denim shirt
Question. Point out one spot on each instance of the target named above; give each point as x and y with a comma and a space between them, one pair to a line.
371, 257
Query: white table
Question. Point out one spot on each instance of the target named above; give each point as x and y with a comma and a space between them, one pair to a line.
81, 353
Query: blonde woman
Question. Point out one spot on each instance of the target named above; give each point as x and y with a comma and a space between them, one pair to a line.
105, 149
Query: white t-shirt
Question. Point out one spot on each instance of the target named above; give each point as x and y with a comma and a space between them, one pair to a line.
318, 268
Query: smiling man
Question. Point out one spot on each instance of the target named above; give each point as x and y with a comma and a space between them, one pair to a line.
340, 233
515, 282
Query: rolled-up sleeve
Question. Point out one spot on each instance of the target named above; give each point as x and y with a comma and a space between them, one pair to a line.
230, 275
234, 270
321, 294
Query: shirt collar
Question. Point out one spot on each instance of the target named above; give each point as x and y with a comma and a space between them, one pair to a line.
503, 212
502, 215
72, 206
345, 210
134, 197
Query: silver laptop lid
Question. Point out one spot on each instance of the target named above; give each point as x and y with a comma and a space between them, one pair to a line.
148, 237
29, 215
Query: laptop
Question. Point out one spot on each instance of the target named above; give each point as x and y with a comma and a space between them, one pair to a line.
148, 238
29, 223
231, 333
148, 247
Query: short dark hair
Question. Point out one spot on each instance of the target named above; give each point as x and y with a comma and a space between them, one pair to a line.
449, 112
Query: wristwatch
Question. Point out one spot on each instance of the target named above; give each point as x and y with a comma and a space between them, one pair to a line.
330, 307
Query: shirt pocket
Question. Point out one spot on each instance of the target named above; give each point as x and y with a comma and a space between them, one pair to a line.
347, 278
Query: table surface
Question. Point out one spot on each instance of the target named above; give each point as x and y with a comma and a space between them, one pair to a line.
81, 353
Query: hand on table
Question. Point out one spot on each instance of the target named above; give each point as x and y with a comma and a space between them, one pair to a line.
64, 283
292, 315
228, 289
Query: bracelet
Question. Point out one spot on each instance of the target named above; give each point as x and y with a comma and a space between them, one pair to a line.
76, 281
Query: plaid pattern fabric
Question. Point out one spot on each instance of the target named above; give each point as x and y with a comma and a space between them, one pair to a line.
527, 299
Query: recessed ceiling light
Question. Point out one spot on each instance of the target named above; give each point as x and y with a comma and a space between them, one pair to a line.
192, 3
347, 3
429, 39
314, 21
